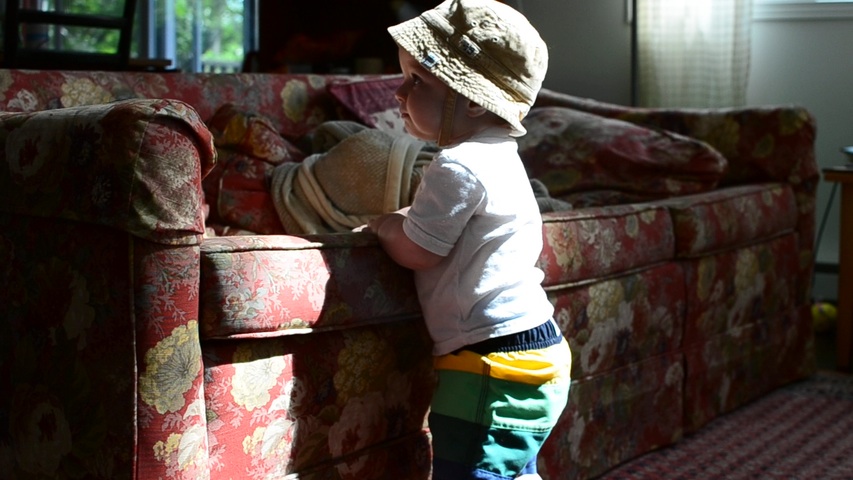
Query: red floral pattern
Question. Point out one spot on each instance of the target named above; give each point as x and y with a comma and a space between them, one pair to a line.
92, 165
245, 281
591, 243
134, 347
572, 151
372, 101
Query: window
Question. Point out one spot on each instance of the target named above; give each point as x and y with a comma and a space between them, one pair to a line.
197, 35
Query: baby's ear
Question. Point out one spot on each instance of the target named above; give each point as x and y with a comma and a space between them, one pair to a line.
475, 110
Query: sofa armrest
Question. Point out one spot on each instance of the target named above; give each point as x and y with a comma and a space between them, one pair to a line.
133, 165
761, 143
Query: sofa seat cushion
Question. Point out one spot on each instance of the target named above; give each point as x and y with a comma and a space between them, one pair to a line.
134, 165
730, 217
592, 243
261, 286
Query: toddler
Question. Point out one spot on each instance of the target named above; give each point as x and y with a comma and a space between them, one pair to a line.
473, 234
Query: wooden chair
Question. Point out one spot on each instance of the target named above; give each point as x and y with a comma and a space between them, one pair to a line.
25, 54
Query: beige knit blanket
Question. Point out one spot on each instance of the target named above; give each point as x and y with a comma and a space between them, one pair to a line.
355, 174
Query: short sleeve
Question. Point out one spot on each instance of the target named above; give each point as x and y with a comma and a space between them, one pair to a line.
448, 196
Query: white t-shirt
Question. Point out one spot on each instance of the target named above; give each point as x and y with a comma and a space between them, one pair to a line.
475, 207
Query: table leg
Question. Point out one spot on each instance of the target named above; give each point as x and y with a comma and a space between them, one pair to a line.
844, 331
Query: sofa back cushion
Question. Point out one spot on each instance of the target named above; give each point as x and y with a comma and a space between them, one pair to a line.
294, 103
572, 151
761, 143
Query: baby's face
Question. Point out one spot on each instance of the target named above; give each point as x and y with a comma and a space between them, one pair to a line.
421, 98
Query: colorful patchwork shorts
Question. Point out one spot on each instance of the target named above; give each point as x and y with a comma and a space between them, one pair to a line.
496, 403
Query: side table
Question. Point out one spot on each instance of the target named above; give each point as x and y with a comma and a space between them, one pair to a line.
844, 333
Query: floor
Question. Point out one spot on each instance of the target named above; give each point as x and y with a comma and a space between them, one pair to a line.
825, 350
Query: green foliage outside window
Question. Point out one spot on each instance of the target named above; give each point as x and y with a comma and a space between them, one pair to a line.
221, 32
221, 29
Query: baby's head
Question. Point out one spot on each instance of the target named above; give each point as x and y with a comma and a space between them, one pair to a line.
482, 49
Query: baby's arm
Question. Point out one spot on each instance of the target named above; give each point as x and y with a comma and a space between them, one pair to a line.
396, 243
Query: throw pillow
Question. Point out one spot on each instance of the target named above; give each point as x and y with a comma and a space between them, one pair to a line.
572, 151
236, 190
251, 134
372, 101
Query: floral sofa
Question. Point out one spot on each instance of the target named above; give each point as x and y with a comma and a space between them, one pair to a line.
158, 321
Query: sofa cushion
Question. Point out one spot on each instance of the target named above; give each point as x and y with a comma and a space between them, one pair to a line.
295, 104
573, 151
330, 405
237, 192
747, 362
761, 143
372, 101
731, 289
588, 244
616, 416
250, 133
237, 189
135, 165
730, 217
278, 285
622, 320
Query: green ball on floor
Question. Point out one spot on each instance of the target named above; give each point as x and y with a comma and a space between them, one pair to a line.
824, 315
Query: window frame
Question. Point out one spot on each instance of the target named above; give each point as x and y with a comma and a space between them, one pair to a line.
771, 10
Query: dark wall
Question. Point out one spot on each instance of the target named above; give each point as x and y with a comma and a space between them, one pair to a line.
322, 36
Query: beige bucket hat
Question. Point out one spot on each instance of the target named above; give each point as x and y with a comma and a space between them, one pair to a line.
482, 49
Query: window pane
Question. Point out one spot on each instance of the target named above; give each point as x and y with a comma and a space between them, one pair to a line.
69, 37
199, 35
105, 7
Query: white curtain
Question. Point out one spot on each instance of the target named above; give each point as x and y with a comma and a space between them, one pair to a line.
693, 53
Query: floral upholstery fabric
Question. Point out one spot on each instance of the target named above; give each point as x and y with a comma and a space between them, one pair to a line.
625, 334
119, 389
312, 272
277, 407
136, 346
250, 133
573, 151
294, 104
592, 243
767, 143
65, 164
735, 216
759, 143
728, 292
372, 101
238, 197
237, 190
56, 292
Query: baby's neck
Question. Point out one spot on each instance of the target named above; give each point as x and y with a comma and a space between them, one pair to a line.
480, 129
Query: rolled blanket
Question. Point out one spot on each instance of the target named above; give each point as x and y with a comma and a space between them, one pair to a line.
358, 174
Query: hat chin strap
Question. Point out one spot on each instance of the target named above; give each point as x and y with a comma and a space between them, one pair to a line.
445, 132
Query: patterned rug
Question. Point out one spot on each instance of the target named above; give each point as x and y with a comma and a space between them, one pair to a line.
803, 431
